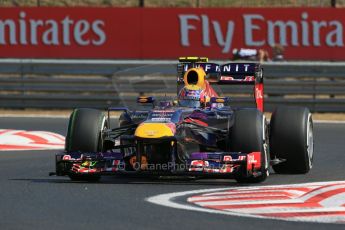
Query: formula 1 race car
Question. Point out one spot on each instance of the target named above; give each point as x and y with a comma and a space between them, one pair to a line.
198, 135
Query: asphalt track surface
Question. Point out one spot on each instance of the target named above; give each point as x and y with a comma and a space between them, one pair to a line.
30, 199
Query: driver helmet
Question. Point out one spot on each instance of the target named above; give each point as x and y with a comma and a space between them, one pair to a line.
191, 96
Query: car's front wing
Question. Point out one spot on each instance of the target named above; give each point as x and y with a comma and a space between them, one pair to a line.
220, 164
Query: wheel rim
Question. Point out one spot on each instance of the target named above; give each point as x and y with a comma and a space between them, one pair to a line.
310, 141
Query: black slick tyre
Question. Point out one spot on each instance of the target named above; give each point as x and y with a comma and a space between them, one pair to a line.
248, 134
291, 139
84, 134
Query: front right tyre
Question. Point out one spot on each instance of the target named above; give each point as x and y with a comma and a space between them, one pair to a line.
85, 134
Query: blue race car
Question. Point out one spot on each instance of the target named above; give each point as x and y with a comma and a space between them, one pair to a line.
198, 134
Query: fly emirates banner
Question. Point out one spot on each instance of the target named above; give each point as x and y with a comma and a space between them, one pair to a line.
167, 33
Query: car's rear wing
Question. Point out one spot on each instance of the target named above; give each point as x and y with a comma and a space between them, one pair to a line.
230, 73
240, 73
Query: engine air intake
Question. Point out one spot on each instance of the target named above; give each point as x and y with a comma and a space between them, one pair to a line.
195, 77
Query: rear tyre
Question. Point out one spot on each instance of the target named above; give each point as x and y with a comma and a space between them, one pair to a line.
84, 134
249, 134
291, 138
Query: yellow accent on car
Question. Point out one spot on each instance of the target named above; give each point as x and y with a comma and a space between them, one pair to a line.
153, 130
200, 73
85, 164
193, 87
143, 100
193, 59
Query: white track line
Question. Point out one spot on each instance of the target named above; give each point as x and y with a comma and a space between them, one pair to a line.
20, 140
169, 200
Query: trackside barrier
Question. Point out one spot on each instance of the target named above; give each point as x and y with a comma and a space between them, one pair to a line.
54, 84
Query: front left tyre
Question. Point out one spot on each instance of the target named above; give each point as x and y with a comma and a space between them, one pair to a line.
249, 134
